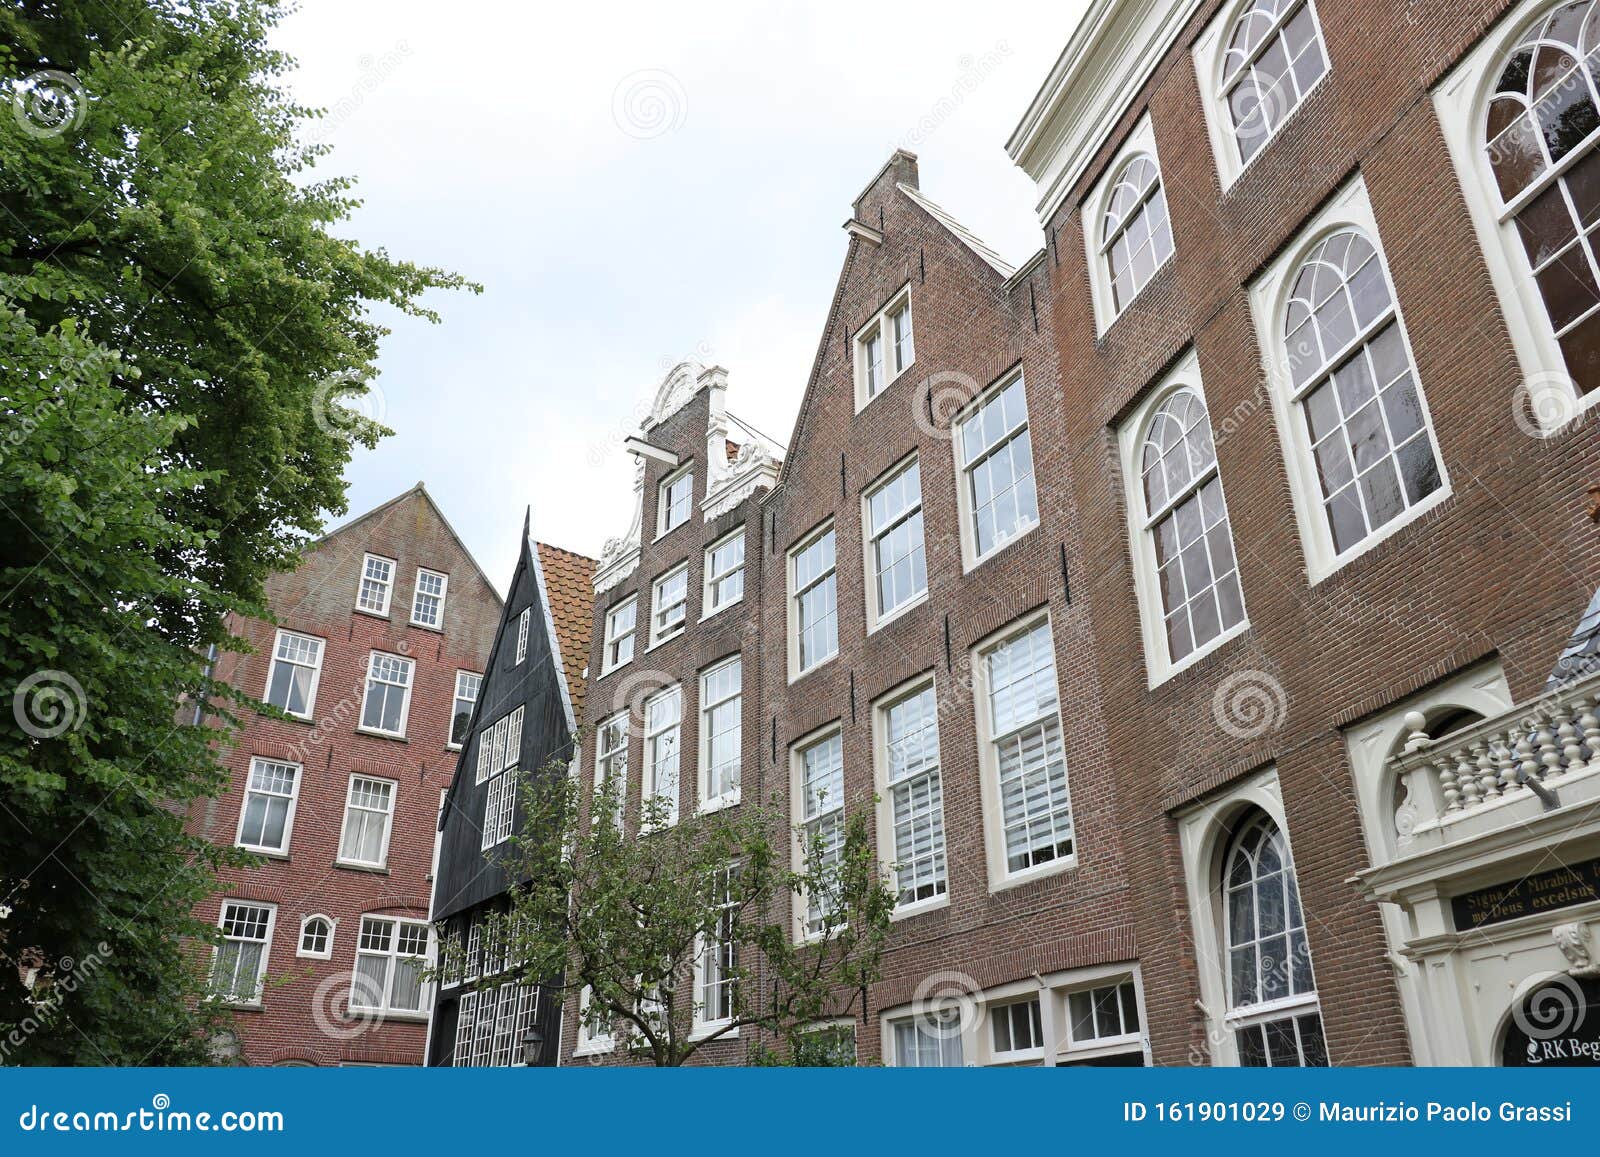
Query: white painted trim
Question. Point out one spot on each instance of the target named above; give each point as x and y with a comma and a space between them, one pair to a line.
670, 633
634, 444
388, 828
792, 614
606, 637
1141, 140
797, 815
1159, 667
884, 790
876, 617
704, 802
706, 608
299, 943
444, 592
879, 325
970, 558
662, 489
316, 672
1269, 299
288, 820
388, 589
266, 950
405, 700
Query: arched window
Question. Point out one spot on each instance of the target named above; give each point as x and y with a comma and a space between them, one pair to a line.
1272, 994
1187, 516
1540, 133
1352, 376
316, 937
1135, 235
1273, 58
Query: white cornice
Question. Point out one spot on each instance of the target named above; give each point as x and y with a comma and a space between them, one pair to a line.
1113, 51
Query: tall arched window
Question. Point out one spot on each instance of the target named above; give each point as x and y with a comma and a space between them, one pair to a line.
1540, 134
1187, 516
1274, 56
1135, 234
1272, 994
1352, 376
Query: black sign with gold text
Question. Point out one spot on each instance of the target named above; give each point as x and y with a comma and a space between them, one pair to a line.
1541, 892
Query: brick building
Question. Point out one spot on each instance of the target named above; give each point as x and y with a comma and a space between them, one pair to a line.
1252, 514
379, 642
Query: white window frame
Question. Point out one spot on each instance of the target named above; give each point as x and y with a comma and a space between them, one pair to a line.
649, 788
388, 825
881, 327
387, 584
368, 679
1159, 665
417, 595
710, 802
701, 1025
1033, 1054
965, 1033
1204, 833
1142, 141
801, 823
610, 761
888, 853
710, 579
288, 820
1461, 101
970, 557
1001, 876
1269, 298
659, 635
1210, 57
523, 622
1073, 1049
590, 1044
229, 998
316, 671
815, 535
612, 636
664, 500
876, 615
393, 956
471, 701
300, 948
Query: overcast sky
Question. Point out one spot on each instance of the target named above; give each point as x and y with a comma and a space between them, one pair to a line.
634, 184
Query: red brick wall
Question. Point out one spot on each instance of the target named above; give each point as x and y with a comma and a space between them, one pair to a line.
303, 1013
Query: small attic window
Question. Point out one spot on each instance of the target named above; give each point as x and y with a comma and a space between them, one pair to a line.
883, 348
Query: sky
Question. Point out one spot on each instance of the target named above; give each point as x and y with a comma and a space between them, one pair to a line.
634, 184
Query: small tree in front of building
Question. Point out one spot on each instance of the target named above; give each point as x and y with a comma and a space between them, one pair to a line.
684, 932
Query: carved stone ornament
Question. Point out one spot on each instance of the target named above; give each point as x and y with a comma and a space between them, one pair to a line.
1573, 940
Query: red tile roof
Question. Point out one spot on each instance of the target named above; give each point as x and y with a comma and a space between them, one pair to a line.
569, 581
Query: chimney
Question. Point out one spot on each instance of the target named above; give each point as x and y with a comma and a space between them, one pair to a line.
901, 169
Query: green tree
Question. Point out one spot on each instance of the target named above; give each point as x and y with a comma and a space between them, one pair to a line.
623, 916
180, 332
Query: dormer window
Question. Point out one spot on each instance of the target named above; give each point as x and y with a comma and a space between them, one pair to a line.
884, 348
677, 501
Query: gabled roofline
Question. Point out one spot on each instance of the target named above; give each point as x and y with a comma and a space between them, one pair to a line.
550, 627
422, 489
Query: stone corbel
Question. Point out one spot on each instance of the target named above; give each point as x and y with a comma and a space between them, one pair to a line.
1573, 940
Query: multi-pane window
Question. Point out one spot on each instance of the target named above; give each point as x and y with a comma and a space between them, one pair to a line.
1025, 752
241, 959
427, 601
296, 669
316, 937
996, 456
592, 1037
1107, 1014
929, 1040
1186, 516
499, 753
1268, 958
916, 807
468, 684
472, 962
1352, 377
267, 817
1273, 58
377, 585
499, 745
388, 698
721, 732
466, 1023
884, 348
368, 809
663, 732
677, 501
717, 965
814, 600
821, 813
1540, 134
724, 573
611, 762
669, 604
831, 1046
894, 529
621, 625
1016, 1030
1135, 234
391, 959
523, 620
